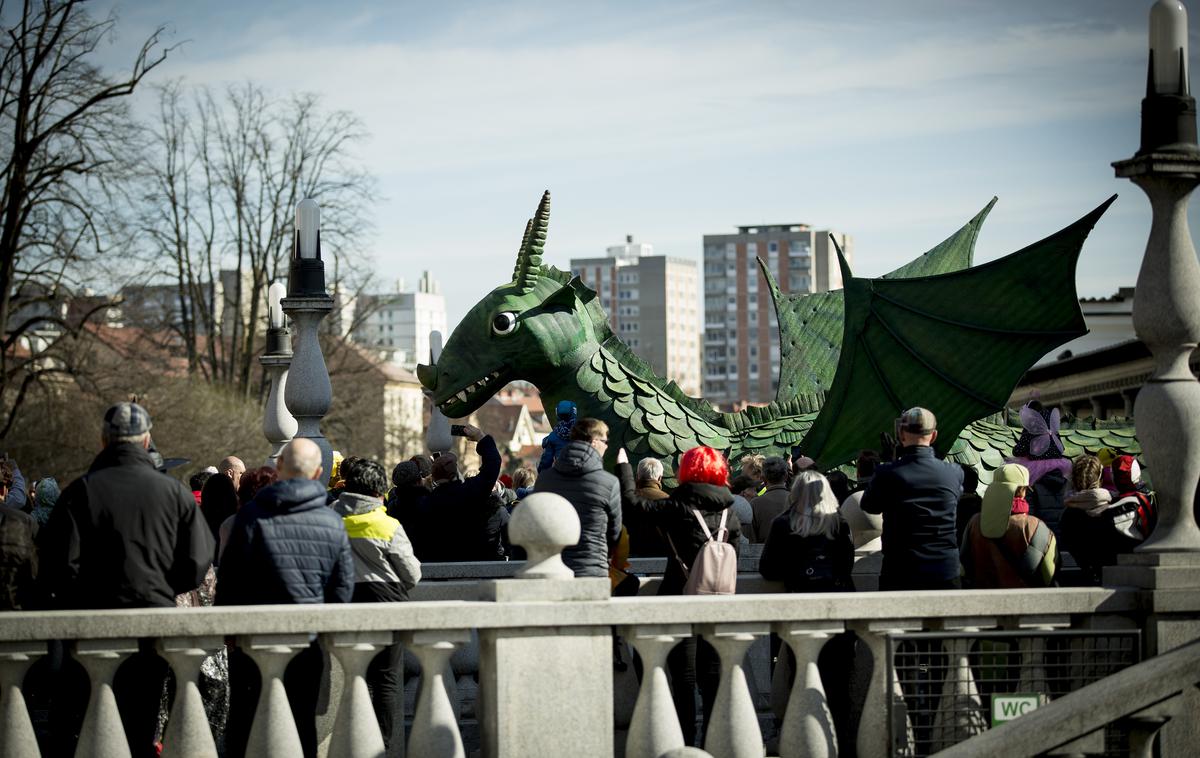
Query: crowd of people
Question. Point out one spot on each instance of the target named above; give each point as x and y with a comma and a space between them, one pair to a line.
126, 536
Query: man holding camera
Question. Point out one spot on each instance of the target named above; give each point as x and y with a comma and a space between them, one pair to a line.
454, 517
917, 495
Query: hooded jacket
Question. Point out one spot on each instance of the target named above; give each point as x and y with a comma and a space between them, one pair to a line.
674, 516
578, 475
385, 568
286, 547
1006, 550
123, 535
18, 559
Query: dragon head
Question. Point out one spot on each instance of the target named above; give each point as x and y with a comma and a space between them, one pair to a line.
531, 328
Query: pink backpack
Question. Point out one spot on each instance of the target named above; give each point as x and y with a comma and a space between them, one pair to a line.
714, 572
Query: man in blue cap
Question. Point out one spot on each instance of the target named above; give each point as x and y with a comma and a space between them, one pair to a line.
556, 440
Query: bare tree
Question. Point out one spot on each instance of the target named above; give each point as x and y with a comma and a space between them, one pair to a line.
228, 173
65, 140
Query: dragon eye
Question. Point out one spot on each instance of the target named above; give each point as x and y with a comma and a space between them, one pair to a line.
504, 323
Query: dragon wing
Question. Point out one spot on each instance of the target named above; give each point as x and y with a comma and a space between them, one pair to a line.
810, 325
956, 343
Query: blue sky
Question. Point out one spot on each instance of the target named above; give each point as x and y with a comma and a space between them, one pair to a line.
892, 121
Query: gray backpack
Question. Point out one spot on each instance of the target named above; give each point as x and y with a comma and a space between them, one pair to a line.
714, 572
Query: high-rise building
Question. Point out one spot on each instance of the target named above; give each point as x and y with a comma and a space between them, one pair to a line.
653, 306
741, 334
398, 324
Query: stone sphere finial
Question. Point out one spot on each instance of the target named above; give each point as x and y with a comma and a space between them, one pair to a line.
686, 752
544, 523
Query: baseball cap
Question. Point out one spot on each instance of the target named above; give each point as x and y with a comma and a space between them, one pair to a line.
126, 420
918, 420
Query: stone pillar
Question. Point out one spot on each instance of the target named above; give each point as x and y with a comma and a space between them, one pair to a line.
546, 691
273, 734
654, 728
356, 732
435, 729
733, 729
188, 734
278, 424
807, 724
308, 393
103, 733
1167, 319
874, 737
16, 729
437, 434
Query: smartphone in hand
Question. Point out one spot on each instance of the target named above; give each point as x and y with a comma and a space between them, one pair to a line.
458, 430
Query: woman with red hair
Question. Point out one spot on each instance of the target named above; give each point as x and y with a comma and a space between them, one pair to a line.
703, 491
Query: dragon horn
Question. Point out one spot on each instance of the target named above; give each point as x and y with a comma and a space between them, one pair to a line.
529, 257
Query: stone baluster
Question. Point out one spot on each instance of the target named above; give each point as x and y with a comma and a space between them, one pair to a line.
16, 729
273, 734
807, 724
960, 713
654, 728
733, 729
356, 732
435, 730
103, 733
874, 732
188, 734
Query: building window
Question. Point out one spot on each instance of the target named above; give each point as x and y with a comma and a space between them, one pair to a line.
772, 247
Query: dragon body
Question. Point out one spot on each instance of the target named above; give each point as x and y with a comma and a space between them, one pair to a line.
847, 359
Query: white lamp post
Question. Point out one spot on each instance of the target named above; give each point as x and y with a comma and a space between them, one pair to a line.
279, 426
437, 436
308, 393
1166, 310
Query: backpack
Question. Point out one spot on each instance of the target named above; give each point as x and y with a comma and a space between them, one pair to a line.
714, 572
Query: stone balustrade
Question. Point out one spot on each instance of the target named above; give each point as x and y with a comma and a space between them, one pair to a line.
432, 631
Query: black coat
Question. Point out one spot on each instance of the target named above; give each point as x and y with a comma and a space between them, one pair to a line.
123, 535
674, 516
578, 475
18, 559
286, 547
453, 522
918, 497
787, 557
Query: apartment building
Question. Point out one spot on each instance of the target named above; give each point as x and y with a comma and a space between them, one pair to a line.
741, 334
398, 324
652, 303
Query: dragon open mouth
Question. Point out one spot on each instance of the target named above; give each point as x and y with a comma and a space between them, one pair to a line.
465, 400
466, 394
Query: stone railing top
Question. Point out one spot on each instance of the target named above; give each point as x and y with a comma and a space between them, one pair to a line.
544, 525
874, 609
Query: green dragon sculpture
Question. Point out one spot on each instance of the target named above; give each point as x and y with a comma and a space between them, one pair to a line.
935, 332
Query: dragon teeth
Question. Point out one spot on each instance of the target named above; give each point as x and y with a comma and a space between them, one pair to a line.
462, 396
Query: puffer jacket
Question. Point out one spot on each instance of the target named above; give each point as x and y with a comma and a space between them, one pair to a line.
674, 516
286, 547
578, 475
124, 535
385, 568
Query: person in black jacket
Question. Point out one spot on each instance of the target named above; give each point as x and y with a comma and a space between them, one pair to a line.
703, 488
285, 547
18, 551
808, 547
124, 535
918, 496
578, 475
454, 522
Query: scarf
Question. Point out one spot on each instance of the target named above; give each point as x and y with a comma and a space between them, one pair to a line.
1020, 505
1093, 502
